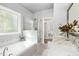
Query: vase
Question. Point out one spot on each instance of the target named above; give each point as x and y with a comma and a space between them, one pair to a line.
67, 36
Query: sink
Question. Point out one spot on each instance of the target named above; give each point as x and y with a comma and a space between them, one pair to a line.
74, 34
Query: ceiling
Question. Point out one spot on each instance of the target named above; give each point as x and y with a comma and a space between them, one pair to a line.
36, 7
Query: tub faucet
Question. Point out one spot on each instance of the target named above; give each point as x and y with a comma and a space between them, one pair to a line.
6, 48
10, 54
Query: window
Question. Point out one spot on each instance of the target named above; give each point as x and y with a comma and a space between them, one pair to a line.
9, 20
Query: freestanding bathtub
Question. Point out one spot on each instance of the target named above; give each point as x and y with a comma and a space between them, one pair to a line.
22, 48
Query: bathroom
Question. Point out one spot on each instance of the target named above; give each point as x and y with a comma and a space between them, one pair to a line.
32, 29
26, 23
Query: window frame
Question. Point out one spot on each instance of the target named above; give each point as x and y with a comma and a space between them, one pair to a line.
18, 21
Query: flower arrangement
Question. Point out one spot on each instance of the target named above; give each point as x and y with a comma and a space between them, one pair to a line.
68, 27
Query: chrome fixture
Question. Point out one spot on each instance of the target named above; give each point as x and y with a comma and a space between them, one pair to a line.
6, 48
4, 52
22, 37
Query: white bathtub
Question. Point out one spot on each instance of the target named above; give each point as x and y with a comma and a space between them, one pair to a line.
22, 48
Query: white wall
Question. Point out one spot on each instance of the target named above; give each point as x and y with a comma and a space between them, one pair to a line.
44, 13
60, 16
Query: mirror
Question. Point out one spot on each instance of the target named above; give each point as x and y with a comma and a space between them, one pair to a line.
74, 15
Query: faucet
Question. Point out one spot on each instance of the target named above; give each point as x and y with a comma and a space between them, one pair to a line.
22, 37
10, 54
6, 48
